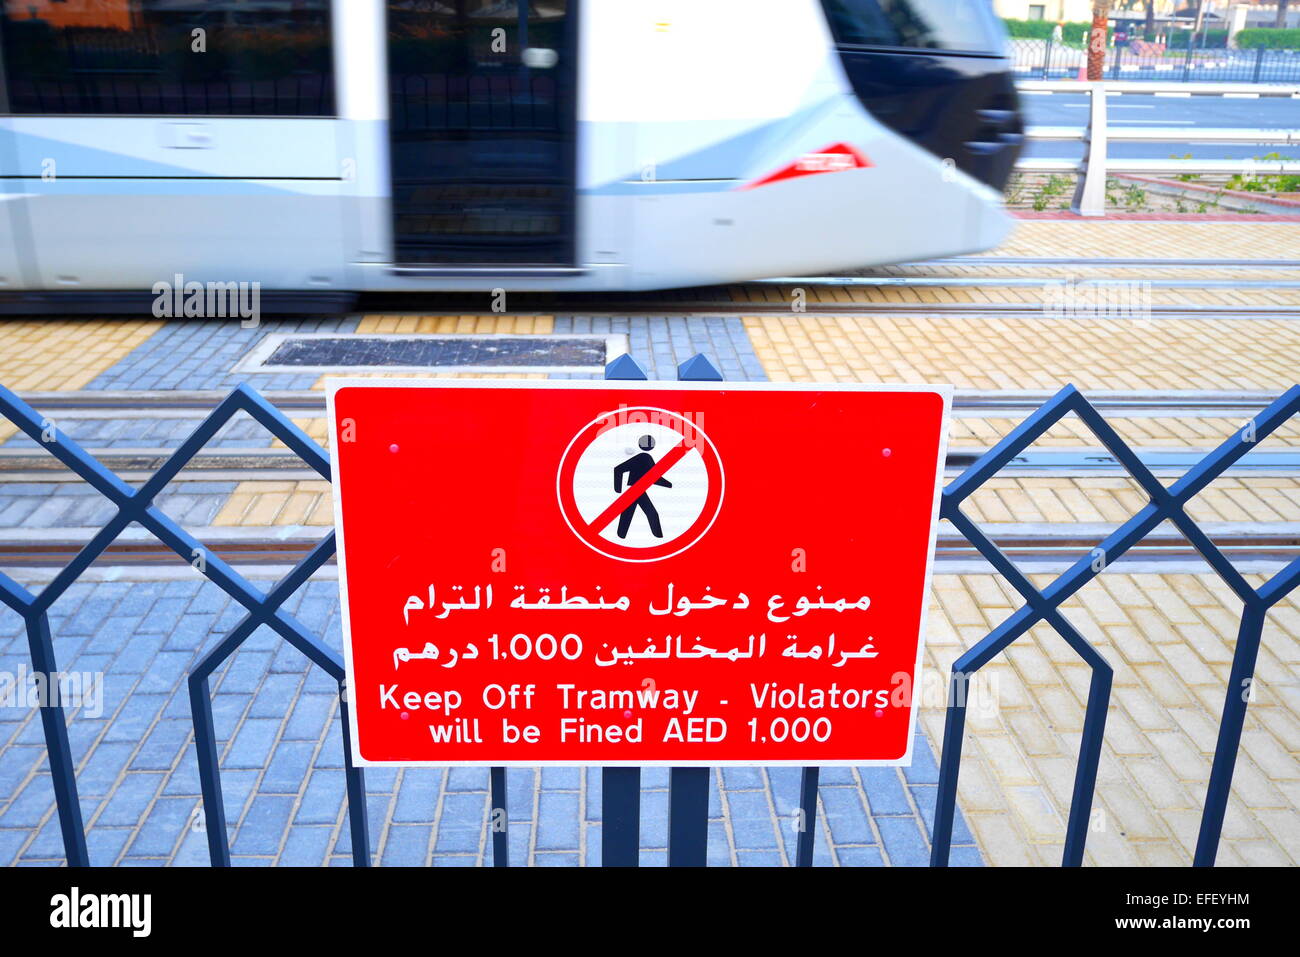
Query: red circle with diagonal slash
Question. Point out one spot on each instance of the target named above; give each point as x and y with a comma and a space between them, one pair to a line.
589, 533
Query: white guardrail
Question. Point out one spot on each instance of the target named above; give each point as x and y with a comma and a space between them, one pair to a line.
1090, 190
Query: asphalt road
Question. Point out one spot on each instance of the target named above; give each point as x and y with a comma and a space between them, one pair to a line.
1164, 112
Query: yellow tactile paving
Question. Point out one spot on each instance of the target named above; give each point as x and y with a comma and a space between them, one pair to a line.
1028, 353
278, 503
63, 354
1128, 239
487, 324
1169, 639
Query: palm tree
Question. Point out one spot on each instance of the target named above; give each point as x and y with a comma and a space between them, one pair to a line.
1280, 21
1097, 39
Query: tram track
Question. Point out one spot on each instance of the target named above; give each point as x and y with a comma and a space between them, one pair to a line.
26, 464
308, 403
1140, 262
237, 460
1037, 282
754, 296
287, 545
750, 299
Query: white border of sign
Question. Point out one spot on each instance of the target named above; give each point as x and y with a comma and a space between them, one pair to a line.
334, 383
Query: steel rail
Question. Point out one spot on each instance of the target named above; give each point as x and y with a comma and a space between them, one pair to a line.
165, 403
55, 547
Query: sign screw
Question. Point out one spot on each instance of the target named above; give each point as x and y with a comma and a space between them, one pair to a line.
886, 452
393, 448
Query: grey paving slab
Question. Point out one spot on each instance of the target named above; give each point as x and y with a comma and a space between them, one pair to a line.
202, 355
199, 354
36, 505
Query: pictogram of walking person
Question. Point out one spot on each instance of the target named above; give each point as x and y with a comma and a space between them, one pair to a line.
635, 469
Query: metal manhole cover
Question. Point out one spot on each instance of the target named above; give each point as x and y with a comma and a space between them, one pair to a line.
327, 352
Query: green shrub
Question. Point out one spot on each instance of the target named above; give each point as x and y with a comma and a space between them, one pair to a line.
1071, 33
1212, 40
1268, 38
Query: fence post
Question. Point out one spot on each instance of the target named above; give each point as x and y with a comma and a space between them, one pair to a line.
62, 771
620, 788
358, 812
688, 795
1047, 57
499, 819
807, 817
688, 798
1090, 190
1187, 60
209, 761
1230, 725
1259, 64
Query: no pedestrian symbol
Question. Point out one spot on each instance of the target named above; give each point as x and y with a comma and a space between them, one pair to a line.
640, 484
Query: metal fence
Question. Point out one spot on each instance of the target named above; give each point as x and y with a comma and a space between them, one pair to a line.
688, 800
1063, 59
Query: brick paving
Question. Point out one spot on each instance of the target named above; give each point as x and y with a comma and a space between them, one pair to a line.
37, 505
202, 354
1026, 352
1116, 238
1168, 639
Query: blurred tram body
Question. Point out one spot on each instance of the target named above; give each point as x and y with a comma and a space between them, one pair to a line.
413, 145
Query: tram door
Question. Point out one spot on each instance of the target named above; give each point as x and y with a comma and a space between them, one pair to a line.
482, 118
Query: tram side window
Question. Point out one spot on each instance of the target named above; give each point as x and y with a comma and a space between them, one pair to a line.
958, 25
168, 57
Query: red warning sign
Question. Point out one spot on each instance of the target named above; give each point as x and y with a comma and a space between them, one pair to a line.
630, 573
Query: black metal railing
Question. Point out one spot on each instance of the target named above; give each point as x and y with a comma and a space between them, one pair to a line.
1057, 59
688, 824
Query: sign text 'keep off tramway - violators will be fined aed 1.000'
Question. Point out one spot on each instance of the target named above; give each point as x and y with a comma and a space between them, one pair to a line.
599, 573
